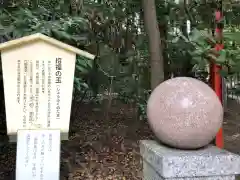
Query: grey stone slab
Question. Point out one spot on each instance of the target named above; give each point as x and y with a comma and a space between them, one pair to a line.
175, 163
150, 174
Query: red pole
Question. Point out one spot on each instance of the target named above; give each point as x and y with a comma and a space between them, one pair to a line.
216, 79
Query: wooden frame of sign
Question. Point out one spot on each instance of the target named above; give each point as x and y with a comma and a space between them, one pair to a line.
38, 75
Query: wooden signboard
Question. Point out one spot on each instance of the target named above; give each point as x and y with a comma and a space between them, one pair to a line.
38, 74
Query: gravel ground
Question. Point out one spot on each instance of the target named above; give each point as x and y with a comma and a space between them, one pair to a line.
105, 147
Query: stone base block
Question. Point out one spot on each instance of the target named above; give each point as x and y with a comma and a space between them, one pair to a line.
210, 163
150, 174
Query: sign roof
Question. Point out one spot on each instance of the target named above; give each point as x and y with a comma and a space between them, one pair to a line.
42, 37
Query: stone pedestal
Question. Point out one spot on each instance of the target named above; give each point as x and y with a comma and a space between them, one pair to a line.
210, 163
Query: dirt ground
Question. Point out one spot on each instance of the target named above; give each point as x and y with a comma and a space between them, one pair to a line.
106, 149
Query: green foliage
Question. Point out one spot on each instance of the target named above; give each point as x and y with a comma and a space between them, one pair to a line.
22, 22
204, 53
114, 32
72, 30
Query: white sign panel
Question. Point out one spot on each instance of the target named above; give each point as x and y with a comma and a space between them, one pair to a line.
38, 84
38, 155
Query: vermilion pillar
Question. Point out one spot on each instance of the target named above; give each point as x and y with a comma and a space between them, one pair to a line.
217, 86
216, 79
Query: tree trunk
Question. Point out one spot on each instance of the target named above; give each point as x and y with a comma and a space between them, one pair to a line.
152, 29
163, 36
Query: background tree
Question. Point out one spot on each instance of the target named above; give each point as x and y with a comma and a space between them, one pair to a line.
114, 31
155, 48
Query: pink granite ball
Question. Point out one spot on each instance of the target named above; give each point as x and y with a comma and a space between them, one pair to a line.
184, 113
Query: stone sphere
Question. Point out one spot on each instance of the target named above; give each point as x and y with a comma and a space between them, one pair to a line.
184, 113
